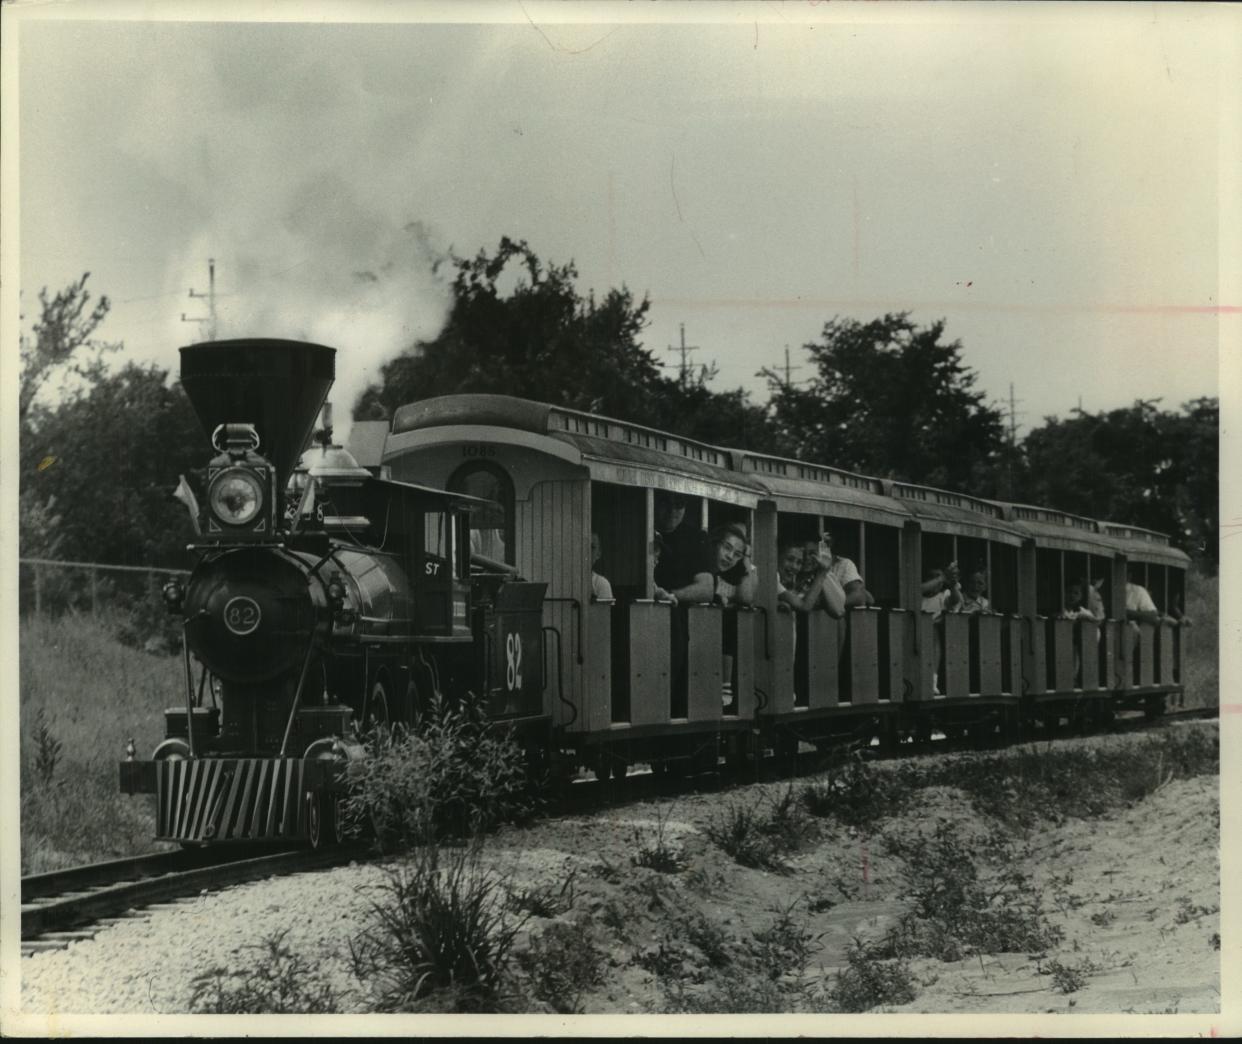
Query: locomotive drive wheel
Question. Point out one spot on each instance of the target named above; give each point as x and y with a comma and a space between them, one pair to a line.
377, 707
324, 822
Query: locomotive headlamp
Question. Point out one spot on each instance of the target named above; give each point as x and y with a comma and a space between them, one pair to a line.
336, 593
236, 496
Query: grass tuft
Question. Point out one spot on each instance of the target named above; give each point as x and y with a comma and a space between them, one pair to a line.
439, 937
759, 836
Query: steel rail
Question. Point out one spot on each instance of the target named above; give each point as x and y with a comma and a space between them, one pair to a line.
78, 896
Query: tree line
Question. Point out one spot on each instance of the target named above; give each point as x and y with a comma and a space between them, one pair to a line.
887, 398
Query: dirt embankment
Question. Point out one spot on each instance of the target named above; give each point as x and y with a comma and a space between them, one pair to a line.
936, 907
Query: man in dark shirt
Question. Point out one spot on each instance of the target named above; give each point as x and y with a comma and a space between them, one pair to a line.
684, 552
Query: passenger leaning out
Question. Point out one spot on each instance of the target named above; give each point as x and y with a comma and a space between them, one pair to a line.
805, 590
843, 570
730, 558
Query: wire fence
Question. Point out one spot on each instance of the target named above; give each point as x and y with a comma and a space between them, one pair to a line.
52, 586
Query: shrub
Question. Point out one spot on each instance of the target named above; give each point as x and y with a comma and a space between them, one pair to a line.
452, 775
868, 980
959, 910
561, 965
738, 831
855, 794
760, 839
279, 982
440, 936
144, 622
785, 947
1069, 978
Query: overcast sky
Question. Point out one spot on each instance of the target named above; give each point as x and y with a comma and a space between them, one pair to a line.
1047, 179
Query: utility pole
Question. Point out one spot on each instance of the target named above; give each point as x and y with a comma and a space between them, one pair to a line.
775, 383
685, 350
210, 298
789, 369
1013, 443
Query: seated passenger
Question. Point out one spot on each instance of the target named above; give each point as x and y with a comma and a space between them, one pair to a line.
805, 592
601, 589
941, 594
974, 600
1079, 604
842, 569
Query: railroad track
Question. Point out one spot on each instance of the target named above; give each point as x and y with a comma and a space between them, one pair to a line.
64, 906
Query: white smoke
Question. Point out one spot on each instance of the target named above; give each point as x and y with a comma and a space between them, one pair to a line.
329, 271
300, 187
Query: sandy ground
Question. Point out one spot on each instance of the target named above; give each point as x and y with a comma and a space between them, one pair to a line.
1136, 893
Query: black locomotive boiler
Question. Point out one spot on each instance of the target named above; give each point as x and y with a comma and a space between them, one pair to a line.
325, 600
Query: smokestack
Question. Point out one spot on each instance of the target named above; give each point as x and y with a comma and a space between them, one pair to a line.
278, 386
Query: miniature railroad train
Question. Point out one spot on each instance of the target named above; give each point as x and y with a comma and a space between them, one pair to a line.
350, 588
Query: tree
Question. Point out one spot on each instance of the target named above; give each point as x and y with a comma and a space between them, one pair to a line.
690, 408
542, 341
1139, 465
64, 326
111, 457
891, 400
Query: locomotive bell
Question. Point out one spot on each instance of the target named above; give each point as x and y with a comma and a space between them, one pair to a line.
330, 461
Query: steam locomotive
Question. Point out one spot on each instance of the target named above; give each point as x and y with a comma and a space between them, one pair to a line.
325, 600
334, 591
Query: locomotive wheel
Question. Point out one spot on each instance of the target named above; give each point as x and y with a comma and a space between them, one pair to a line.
377, 706
323, 820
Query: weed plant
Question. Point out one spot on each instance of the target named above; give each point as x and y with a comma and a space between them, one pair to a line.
544, 901
657, 853
561, 965
785, 947
450, 776
855, 794
277, 982
1055, 782
761, 837
959, 910
1069, 978
439, 937
869, 980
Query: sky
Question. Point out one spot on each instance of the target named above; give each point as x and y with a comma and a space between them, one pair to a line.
1048, 180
